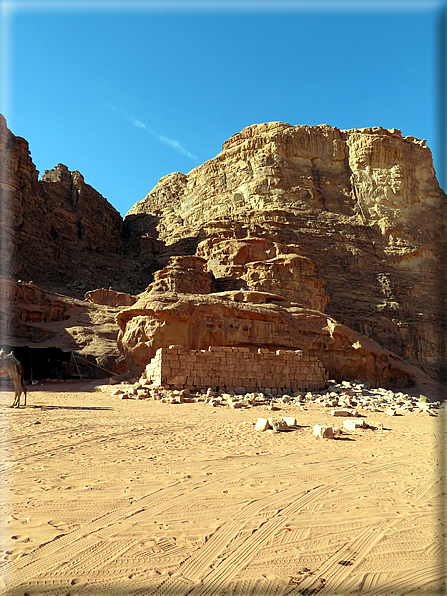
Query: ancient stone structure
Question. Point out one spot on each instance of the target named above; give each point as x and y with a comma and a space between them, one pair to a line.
255, 320
236, 369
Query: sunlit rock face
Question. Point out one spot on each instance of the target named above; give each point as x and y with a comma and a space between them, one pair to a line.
266, 266
256, 320
356, 210
341, 222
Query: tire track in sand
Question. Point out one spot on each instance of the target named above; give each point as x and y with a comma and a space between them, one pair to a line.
51, 555
419, 578
215, 581
333, 572
85, 442
54, 553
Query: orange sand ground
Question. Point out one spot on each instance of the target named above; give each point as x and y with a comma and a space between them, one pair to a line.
105, 496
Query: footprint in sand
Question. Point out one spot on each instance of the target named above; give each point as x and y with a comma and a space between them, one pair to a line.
78, 582
14, 553
21, 538
11, 555
63, 526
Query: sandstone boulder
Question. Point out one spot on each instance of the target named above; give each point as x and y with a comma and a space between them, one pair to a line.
323, 432
110, 298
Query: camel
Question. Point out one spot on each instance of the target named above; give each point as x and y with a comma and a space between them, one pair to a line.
15, 371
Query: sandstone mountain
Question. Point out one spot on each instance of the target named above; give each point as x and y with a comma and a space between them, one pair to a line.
58, 231
358, 208
319, 219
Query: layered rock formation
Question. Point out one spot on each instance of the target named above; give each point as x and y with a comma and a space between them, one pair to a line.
255, 320
32, 317
306, 219
110, 297
186, 275
266, 266
58, 231
360, 206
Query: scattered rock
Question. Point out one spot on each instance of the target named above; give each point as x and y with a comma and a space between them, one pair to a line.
278, 425
343, 413
262, 424
236, 405
353, 424
289, 420
323, 432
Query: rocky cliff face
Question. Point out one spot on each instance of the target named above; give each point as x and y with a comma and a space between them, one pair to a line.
58, 231
359, 206
336, 221
33, 317
256, 320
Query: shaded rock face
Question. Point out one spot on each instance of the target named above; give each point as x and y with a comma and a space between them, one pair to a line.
31, 316
359, 206
58, 231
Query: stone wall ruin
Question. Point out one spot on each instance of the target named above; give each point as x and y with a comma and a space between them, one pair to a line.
238, 369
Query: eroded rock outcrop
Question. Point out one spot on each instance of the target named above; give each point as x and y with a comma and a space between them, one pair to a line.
360, 204
110, 297
33, 317
186, 275
266, 266
254, 319
59, 231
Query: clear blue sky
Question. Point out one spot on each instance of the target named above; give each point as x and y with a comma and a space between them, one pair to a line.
126, 94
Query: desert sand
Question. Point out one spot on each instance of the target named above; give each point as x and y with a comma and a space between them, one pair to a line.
106, 496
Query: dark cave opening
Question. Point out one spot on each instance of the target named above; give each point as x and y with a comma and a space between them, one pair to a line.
44, 363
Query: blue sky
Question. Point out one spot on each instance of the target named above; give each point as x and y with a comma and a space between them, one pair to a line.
127, 93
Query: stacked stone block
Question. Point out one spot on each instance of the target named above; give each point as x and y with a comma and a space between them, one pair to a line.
240, 369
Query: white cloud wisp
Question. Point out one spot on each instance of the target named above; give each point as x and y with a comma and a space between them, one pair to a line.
162, 138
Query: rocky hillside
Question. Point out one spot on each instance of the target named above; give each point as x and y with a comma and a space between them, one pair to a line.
337, 221
58, 231
359, 207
